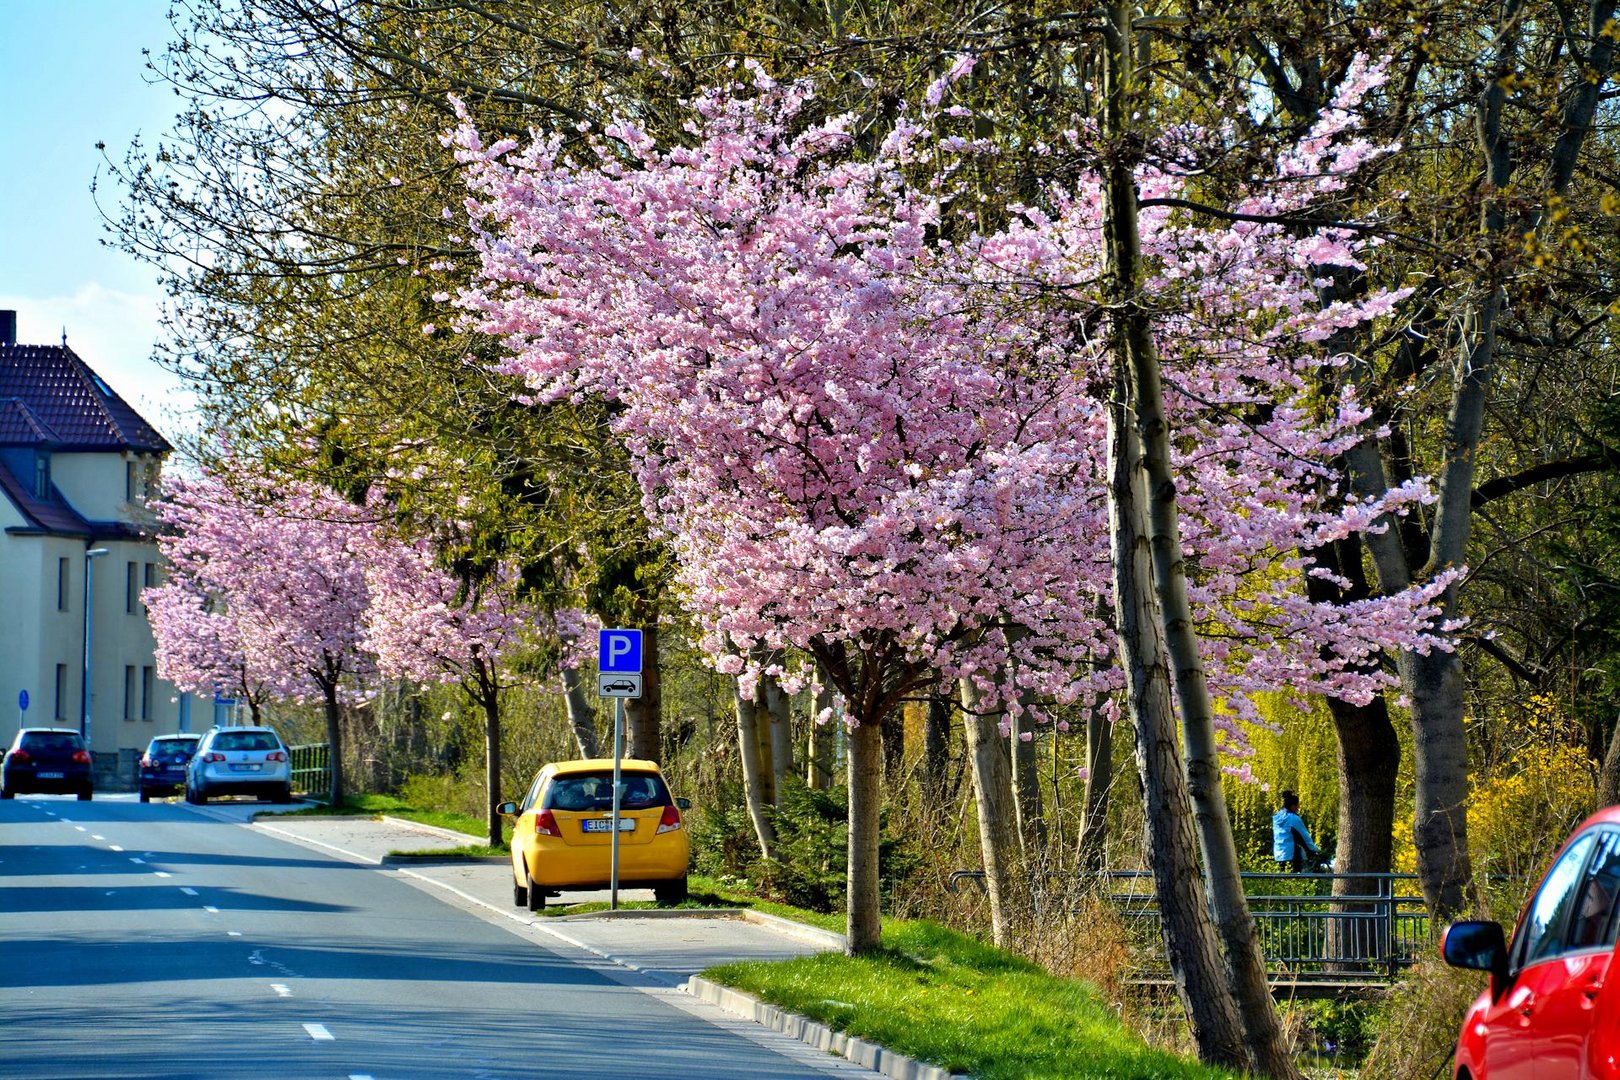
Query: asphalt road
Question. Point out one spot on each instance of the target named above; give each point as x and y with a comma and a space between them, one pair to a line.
162, 941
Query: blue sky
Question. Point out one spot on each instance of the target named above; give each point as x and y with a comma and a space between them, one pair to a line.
71, 76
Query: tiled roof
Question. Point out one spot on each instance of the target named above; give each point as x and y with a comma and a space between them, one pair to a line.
66, 405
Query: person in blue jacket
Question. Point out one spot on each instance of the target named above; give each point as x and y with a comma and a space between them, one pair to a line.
1290, 839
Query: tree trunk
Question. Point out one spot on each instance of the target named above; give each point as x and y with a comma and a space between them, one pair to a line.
1026, 780
994, 802
865, 927
334, 741
1150, 587
779, 735
489, 698
1609, 775
1093, 853
754, 774
643, 716
936, 752
1369, 758
823, 743
581, 713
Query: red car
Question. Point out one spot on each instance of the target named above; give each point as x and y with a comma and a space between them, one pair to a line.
1547, 1014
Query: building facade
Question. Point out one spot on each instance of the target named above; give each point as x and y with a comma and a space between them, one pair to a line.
77, 465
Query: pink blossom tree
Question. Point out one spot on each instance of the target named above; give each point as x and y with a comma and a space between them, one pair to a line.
425, 624
198, 646
281, 564
888, 450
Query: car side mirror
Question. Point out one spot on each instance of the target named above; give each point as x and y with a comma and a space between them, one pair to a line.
684, 804
1480, 946
508, 808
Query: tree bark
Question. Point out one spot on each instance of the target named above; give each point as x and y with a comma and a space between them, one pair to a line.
936, 751
864, 928
581, 713
488, 695
334, 740
1146, 496
644, 715
1369, 759
993, 800
1026, 779
1609, 775
1093, 850
754, 774
778, 735
823, 743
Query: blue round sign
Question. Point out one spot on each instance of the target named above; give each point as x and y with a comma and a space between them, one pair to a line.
22, 700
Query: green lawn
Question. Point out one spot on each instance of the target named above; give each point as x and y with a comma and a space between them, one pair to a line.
955, 1002
379, 805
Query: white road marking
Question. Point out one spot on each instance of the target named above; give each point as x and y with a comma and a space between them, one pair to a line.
233, 933
141, 862
161, 873
115, 847
281, 989
211, 910
66, 820
318, 1032
93, 836
188, 891
81, 828
359, 1076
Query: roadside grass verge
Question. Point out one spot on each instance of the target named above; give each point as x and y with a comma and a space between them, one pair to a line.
957, 1003
466, 851
365, 805
704, 892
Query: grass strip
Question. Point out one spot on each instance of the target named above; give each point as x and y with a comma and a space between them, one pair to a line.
367, 805
955, 1002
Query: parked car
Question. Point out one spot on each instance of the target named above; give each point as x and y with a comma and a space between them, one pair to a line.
163, 766
239, 761
46, 760
563, 835
1548, 1009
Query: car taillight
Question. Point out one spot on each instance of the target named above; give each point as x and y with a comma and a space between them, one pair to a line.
670, 821
545, 824
18, 755
213, 756
146, 761
276, 755
81, 757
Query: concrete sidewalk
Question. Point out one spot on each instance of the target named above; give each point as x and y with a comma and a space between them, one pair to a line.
662, 950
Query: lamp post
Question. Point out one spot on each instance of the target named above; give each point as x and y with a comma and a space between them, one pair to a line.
84, 713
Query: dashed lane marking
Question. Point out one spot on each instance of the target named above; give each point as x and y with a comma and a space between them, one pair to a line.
281, 989
81, 828
233, 933
141, 862
210, 909
188, 891
115, 847
318, 1032
93, 836
162, 873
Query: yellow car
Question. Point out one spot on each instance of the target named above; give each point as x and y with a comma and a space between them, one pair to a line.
563, 835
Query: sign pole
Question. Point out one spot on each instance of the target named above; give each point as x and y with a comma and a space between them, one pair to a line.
618, 752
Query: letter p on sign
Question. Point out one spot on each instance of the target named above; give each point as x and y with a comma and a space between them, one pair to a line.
619, 652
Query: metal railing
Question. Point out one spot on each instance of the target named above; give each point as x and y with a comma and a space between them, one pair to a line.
311, 768
1306, 933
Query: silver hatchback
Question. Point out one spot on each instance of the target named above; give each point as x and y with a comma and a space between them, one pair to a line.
240, 761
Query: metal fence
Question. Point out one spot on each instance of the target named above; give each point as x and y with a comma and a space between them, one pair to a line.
311, 768
1369, 935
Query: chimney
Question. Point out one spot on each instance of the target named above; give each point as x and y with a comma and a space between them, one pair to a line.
8, 328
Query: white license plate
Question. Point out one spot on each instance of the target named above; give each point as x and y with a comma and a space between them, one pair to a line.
244, 768
50, 775
606, 824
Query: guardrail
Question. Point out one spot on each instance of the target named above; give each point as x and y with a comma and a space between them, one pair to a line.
311, 768
1306, 933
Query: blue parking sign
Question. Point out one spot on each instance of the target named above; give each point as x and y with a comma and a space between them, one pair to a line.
619, 652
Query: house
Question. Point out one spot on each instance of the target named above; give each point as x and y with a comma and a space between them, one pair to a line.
76, 466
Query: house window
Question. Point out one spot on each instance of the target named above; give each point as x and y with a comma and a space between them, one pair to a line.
61, 689
129, 692
129, 481
147, 686
132, 586
62, 587
42, 476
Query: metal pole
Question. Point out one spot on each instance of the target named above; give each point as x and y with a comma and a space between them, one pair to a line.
84, 696
618, 751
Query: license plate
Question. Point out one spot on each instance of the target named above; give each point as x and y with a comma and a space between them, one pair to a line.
49, 775
244, 768
606, 824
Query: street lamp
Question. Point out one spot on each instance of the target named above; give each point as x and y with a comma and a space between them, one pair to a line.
84, 691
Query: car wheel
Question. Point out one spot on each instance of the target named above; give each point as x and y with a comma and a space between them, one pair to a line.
282, 796
671, 892
146, 796
197, 797
84, 796
537, 895
5, 793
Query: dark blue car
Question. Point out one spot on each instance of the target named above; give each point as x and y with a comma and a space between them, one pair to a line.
47, 760
163, 766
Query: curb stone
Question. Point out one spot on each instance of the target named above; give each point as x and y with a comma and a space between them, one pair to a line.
863, 1053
